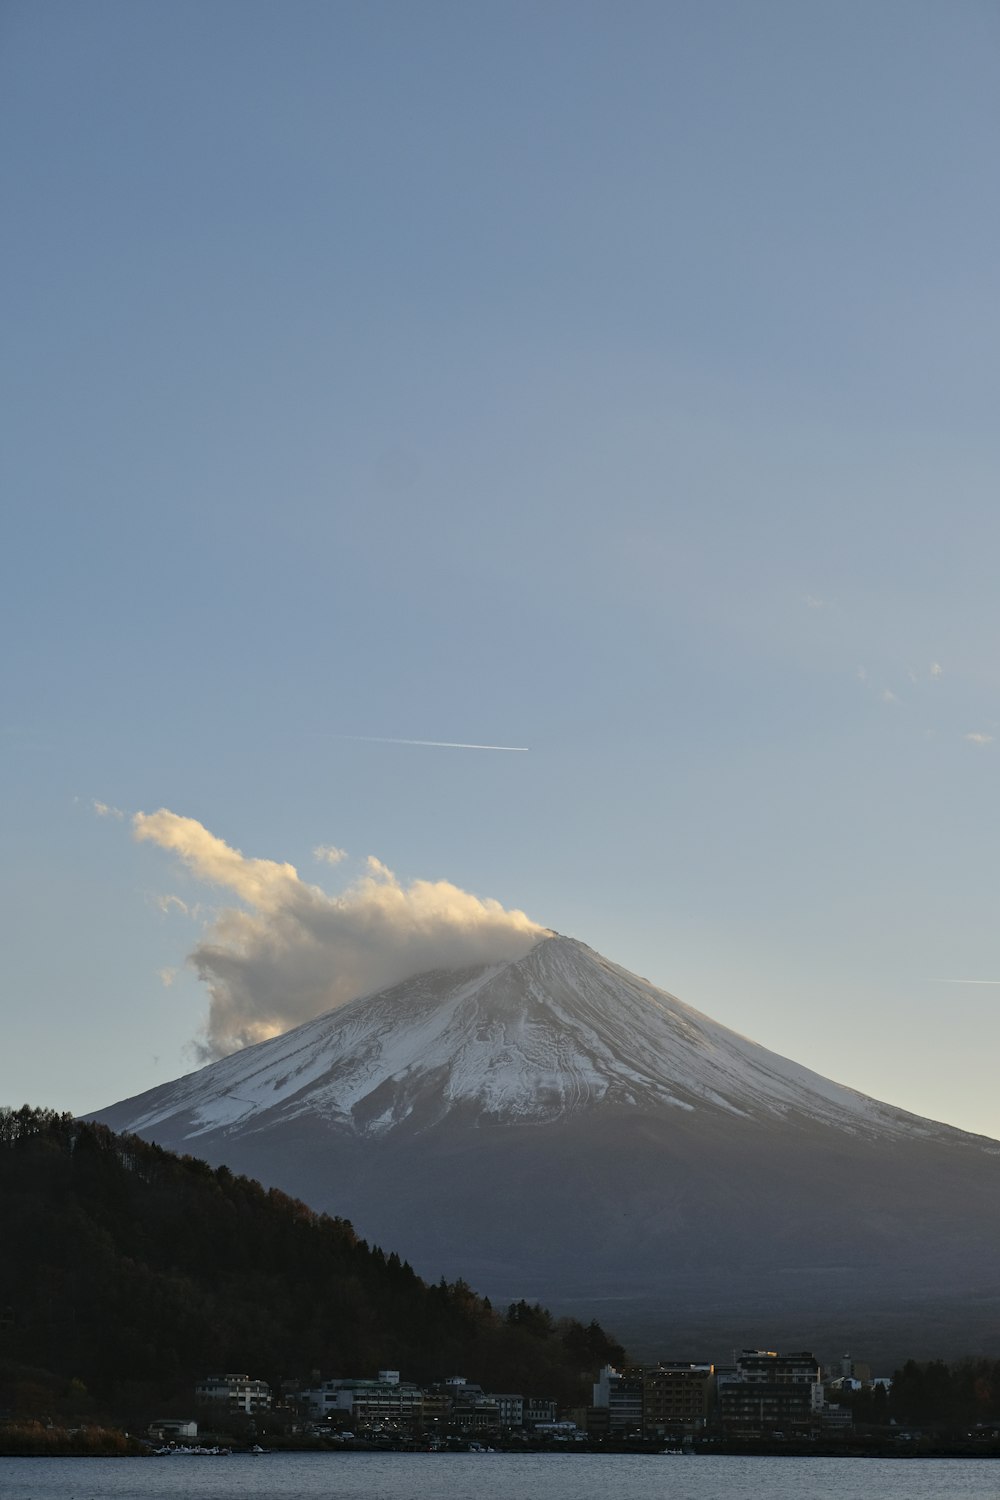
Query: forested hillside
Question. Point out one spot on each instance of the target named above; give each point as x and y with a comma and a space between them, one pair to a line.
135, 1271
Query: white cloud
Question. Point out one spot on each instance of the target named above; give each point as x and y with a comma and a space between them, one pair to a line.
888, 696
167, 977
862, 674
978, 738
259, 882
329, 853
936, 669
293, 951
812, 602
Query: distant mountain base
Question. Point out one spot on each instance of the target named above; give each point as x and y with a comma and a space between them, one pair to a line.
556, 1129
883, 1333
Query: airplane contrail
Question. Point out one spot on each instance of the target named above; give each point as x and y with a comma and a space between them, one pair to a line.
965, 981
378, 739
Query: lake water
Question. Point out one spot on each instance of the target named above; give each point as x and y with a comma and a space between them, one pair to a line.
496, 1476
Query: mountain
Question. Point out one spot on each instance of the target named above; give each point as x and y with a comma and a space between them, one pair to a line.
558, 1129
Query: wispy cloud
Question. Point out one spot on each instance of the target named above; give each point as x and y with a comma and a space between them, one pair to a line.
888, 696
166, 977
169, 903
329, 854
934, 672
812, 601
292, 951
862, 674
978, 738
105, 810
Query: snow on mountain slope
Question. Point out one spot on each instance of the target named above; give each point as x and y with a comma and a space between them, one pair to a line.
557, 1032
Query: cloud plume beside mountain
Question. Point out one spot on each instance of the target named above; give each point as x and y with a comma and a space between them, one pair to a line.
293, 951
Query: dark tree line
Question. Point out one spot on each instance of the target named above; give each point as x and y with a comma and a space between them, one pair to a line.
947, 1396
135, 1271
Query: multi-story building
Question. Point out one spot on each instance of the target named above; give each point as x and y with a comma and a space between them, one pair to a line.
511, 1410
538, 1409
234, 1392
437, 1407
472, 1410
455, 1404
619, 1392
594, 1419
475, 1412
385, 1402
770, 1392
676, 1398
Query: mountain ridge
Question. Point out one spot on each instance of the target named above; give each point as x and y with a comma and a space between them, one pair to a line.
558, 1030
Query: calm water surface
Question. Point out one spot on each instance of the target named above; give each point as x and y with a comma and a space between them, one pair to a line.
496, 1476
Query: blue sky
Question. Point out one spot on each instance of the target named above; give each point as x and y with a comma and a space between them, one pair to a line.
619, 382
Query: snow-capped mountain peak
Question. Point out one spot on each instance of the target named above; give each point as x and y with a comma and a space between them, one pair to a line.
557, 1032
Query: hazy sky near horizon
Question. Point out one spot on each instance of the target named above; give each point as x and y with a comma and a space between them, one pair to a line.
618, 382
